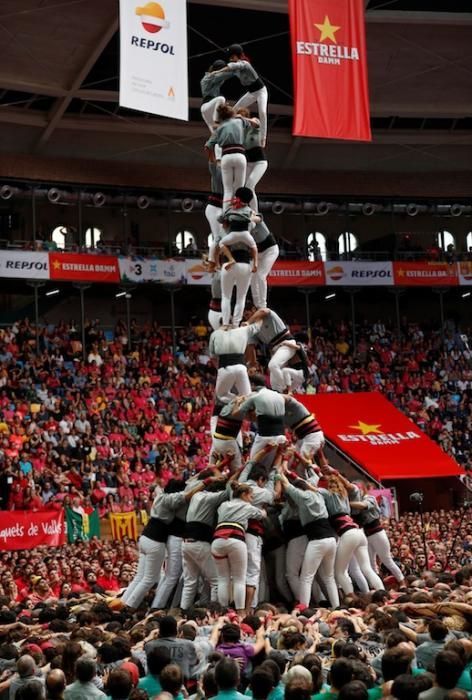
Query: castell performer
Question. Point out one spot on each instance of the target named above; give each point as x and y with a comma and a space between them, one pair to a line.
276, 336
365, 511
268, 252
196, 547
229, 346
320, 551
306, 430
240, 67
213, 211
270, 411
226, 434
214, 311
210, 86
255, 156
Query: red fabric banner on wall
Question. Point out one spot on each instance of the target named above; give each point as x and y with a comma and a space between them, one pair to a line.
87, 268
290, 273
22, 529
425, 274
329, 58
378, 437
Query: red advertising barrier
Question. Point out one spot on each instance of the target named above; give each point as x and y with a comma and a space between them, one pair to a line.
329, 59
84, 268
293, 273
425, 274
378, 437
22, 529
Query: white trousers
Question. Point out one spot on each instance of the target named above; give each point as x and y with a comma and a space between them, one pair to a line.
278, 361
293, 378
233, 174
197, 562
260, 441
231, 564
254, 173
222, 447
296, 548
319, 556
214, 319
310, 444
261, 97
379, 546
208, 110
265, 261
229, 377
353, 543
254, 557
239, 276
212, 213
172, 574
151, 557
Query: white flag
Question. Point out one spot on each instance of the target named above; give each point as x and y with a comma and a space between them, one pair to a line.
153, 57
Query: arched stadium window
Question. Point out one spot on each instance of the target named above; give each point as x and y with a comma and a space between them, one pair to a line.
58, 237
92, 237
316, 243
185, 240
469, 241
445, 239
347, 243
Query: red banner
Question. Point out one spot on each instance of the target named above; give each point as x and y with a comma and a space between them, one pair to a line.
84, 268
425, 274
292, 273
330, 69
378, 437
22, 529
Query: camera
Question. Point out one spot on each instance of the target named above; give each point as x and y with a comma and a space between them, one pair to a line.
416, 497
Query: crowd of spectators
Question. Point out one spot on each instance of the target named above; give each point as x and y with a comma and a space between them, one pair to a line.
111, 430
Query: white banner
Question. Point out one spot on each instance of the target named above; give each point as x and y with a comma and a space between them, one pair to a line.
359, 274
153, 57
26, 265
197, 274
149, 270
465, 273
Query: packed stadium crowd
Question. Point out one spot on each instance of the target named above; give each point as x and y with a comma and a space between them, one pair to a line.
275, 575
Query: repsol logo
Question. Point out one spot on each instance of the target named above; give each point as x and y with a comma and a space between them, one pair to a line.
26, 265
152, 45
370, 274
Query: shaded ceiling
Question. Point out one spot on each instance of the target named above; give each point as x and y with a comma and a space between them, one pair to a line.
59, 85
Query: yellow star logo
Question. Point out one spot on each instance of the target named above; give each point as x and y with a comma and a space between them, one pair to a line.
56, 265
401, 272
327, 30
367, 428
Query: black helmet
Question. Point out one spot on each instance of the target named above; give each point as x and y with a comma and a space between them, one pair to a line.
236, 49
217, 65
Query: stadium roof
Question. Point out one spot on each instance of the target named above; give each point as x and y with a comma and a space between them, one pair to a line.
59, 85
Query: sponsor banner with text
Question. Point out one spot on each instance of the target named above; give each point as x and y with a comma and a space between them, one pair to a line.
329, 59
153, 57
359, 274
297, 273
465, 273
22, 529
84, 268
26, 265
425, 274
379, 437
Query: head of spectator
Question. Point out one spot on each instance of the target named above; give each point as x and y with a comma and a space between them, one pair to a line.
85, 669
262, 683
297, 689
55, 684
32, 690
394, 663
448, 667
227, 674
119, 684
168, 627
172, 679
354, 690
340, 674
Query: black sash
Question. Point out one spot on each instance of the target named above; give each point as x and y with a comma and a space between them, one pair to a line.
199, 531
268, 426
318, 529
231, 358
255, 86
156, 530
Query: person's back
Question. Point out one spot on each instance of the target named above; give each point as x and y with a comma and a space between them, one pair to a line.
448, 668
157, 659
427, 651
27, 671
55, 684
84, 688
181, 651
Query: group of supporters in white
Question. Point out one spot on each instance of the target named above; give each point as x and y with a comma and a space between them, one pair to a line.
284, 516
